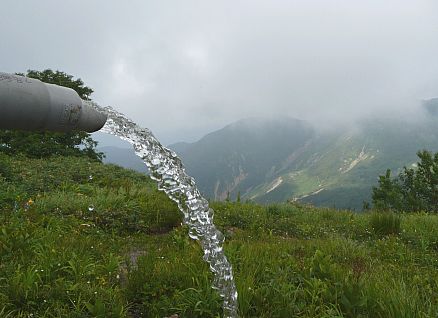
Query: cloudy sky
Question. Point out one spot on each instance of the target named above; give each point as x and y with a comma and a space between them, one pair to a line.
184, 67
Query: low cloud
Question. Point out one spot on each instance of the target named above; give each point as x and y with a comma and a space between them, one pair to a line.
183, 68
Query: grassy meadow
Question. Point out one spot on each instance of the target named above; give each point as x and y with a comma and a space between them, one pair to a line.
83, 239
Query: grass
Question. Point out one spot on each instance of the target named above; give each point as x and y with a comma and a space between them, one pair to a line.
83, 239
385, 223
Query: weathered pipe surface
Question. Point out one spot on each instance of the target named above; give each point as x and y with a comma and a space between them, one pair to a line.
29, 104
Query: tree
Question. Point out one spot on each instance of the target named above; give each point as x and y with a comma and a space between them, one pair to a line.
388, 195
61, 79
44, 144
415, 189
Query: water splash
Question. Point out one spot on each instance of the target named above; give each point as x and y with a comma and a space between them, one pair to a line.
166, 168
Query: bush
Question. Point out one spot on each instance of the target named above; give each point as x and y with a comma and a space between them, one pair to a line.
385, 223
413, 190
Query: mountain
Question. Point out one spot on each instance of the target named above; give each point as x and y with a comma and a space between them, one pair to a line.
274, 160
243, 154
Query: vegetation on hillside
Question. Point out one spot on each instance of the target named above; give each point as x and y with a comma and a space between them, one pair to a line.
83, 239
45, 144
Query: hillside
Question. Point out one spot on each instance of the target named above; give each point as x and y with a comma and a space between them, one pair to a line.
242, 155
82, 239
288, 160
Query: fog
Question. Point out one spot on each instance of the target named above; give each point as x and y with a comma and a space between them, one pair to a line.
185, 68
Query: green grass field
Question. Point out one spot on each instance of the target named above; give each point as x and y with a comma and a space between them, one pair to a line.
83, 239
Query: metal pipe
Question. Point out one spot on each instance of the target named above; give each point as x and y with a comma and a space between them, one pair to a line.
29, 104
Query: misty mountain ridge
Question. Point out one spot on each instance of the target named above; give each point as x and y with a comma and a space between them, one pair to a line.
279, 159
243, 154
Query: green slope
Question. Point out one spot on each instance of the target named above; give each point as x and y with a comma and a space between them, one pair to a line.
128, 256
345, 165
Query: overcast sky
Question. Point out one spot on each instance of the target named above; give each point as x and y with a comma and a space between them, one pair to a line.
184, 67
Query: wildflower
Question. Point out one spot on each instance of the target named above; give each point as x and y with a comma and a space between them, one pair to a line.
28, 204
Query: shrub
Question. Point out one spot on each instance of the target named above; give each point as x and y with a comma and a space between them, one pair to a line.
413, 190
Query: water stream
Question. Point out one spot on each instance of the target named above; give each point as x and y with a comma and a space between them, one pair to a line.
167, 169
